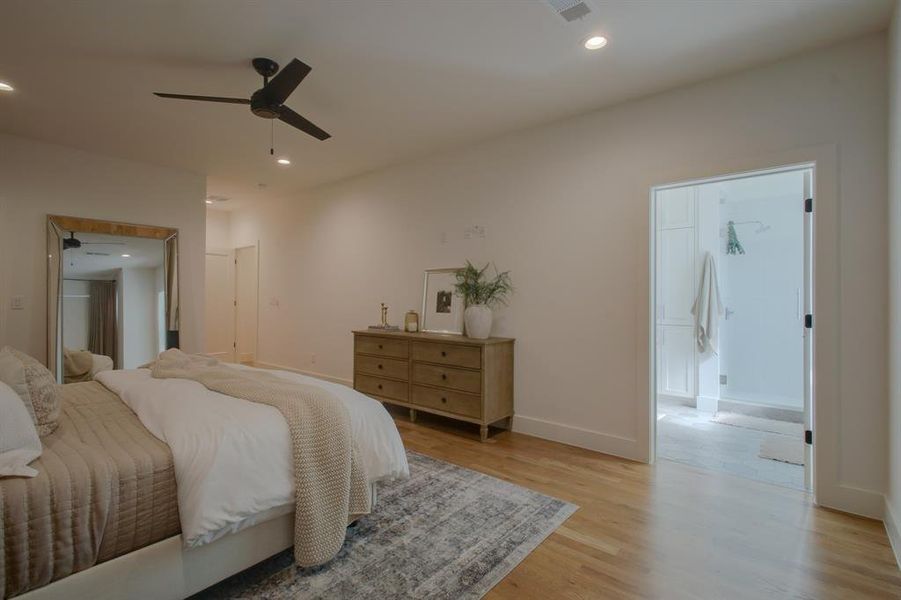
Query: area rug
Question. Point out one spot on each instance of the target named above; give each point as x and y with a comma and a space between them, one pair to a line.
787, 449
759, 424
446, 532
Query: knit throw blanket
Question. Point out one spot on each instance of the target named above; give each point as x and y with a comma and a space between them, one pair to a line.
329, 479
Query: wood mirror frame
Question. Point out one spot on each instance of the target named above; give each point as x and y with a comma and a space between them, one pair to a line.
57, 227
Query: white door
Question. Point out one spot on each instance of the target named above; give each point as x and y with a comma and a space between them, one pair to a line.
808, 333
676, 361
219, 303
246, 284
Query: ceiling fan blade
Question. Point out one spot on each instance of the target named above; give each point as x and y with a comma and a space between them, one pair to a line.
295, 120
280, 87
203, 98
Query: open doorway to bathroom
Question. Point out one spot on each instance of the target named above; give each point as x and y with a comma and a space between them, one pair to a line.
732, 336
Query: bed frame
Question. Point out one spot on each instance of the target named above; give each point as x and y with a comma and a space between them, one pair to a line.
167, 570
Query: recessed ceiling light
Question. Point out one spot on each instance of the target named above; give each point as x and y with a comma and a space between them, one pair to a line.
284, 161
5, 87
126, 256
209, 201
595, 42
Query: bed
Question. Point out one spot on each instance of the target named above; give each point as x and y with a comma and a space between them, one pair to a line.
164, 487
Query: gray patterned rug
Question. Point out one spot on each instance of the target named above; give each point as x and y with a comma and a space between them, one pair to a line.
446, 532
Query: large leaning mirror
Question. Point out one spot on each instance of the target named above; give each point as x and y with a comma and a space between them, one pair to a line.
112, 295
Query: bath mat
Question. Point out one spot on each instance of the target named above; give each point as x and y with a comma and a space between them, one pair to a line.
783, 448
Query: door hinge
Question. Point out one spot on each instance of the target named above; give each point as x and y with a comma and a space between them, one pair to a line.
808, 321
808, 437
808, 205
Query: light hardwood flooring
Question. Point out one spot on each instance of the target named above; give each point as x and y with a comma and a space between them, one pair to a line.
670, 530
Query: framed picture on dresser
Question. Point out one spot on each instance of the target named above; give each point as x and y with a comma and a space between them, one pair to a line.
442, 309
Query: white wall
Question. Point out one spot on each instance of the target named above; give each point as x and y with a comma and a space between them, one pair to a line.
40, 179
893, 503
218, 229
76, 313
762, 339
140, 330
565, 207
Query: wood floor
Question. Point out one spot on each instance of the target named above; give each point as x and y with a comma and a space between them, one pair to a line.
668, 531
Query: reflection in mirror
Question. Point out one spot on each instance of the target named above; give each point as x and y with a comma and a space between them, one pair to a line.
117, 302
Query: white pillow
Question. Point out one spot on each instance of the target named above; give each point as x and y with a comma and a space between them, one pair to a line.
19, 442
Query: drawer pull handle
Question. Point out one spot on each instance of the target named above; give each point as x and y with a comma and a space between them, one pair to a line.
380, 346
443, 353
444, 376
380, 366
444, 400
380, 386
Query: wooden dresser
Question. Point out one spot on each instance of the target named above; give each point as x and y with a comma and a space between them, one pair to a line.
450, 375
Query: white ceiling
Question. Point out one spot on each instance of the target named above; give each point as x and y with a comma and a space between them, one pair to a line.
391, 80
100, 256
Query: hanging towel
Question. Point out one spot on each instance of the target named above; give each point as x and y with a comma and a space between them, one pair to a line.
707, 309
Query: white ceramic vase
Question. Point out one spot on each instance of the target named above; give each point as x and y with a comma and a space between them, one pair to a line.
478, 321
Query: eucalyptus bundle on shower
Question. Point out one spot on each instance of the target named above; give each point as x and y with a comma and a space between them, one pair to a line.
477, 289
733, 246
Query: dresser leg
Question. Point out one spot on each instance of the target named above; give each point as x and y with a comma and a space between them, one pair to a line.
412, 415
483, 433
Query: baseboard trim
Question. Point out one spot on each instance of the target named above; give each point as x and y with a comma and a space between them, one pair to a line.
707, 403
891, 529
341, 380
851, 499
576, 436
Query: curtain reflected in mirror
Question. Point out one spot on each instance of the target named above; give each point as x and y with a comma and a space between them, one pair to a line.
116, 298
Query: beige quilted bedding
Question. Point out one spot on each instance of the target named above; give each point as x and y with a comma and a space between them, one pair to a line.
105, 487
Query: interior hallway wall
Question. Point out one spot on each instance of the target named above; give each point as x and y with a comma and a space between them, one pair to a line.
893, 496
565, 207
40, 179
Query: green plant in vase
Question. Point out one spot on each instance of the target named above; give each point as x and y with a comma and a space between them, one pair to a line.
481, 293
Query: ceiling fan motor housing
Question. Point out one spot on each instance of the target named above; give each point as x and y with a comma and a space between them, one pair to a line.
262, 106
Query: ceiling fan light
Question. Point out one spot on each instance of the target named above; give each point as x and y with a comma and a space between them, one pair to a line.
126, 256
5, 87
282, 160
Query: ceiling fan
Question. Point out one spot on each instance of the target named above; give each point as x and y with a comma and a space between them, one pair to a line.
73, 242
268, 101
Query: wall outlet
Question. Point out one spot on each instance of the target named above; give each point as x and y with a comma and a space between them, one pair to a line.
723, 379
17, 303
312, 358
474, 231
273, 302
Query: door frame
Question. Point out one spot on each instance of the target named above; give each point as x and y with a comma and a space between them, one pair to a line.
809, 293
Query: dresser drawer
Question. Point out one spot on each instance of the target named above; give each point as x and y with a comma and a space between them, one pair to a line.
448, 377
381, 346
385, 367
447, 400
378, 386
448, 354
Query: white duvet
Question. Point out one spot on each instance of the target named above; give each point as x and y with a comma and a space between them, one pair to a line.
233, 457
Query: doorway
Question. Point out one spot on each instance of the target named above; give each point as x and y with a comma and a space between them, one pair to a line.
231, 300
731, 334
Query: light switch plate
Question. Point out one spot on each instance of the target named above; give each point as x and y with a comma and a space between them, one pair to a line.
17, 302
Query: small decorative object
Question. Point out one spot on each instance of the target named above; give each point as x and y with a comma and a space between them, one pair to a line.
383, 326
480, 295
411, 321
442, 310
733, 246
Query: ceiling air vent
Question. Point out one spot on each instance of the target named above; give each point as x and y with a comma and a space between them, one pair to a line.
570, 10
